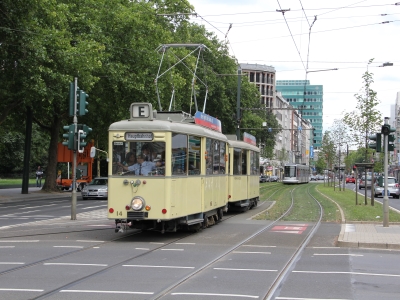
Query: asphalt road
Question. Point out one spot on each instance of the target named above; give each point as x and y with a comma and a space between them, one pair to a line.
58, 258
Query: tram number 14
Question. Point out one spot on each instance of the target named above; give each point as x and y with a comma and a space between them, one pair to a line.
119, 213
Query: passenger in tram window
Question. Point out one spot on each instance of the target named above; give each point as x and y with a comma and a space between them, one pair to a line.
148, 152
130, 159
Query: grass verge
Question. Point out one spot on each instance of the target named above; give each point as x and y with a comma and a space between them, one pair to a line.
306, 209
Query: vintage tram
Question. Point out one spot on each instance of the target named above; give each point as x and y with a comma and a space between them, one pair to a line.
186, 173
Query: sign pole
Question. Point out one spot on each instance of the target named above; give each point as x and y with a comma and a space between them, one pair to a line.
73, 196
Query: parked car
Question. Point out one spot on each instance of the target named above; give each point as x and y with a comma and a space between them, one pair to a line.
365, 183
320, 177
263, 178
97, 188
274, 178
313, 178
350, 179
393, 187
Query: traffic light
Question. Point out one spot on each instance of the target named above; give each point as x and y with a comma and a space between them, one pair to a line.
82, 103
378, 142
386, 129
83, 131
69, 137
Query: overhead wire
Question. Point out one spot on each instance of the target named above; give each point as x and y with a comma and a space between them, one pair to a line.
283, 14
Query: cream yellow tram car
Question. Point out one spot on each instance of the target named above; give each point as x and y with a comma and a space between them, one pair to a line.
168, 171
244, 186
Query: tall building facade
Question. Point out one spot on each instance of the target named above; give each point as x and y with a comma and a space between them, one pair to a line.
263, 77
308, 100
292, 145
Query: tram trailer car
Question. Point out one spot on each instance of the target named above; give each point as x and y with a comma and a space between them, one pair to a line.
244, 184
184, 181
296, 173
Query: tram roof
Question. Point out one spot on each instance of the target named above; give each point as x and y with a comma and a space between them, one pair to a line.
170, 126
242, 145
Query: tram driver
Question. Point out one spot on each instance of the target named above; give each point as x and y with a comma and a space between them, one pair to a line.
142, 167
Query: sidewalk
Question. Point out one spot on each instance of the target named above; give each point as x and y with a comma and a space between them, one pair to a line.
34, 193
363, 235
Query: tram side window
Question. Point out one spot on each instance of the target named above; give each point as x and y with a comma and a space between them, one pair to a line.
216, 156
179, 154
237, 162
209, 163
244, 162
222, 162
253, 163
194, 155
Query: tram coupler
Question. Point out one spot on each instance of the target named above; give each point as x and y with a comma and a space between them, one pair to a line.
121, 226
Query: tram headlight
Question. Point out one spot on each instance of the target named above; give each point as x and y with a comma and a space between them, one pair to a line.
137, 203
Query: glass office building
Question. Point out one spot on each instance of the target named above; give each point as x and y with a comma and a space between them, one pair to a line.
308, 99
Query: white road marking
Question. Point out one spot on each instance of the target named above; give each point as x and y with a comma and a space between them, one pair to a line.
11, 263
185, 243
248, 252
74, 264
218, 295
253, 270
337, 254
259, 246
292, 298
172, 249
105, 292
68, 246
7, 246
88, 241
157, 243
142, 248
21, 290
19, 241
349, 273
167, 267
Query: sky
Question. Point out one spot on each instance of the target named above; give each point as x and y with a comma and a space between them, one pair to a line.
341, 34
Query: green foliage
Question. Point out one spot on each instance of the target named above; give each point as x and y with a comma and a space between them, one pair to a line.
109, 45
366, 118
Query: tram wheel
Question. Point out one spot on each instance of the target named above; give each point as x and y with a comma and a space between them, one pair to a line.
220, 214
205, 222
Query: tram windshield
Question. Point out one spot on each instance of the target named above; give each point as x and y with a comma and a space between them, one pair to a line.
138, 158
290, 171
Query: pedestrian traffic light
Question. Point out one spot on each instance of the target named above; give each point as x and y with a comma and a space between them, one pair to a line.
377, 145
83, 131
82, 103
69, 137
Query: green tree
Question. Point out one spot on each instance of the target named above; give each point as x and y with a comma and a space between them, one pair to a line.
366, 118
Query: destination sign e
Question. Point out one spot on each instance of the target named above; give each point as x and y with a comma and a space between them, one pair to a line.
141, 111
139, 136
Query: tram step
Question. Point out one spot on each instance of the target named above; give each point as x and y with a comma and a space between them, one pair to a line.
194, 221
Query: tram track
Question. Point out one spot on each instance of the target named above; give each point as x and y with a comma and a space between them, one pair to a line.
279, 278
282, 273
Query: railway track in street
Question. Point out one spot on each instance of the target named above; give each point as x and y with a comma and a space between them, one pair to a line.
135, 259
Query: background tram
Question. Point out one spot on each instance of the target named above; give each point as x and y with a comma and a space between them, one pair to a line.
186, 178
296, 173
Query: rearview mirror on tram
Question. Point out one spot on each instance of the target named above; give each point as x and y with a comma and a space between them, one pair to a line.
93, 152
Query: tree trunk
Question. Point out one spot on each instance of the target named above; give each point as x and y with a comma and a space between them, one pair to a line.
51, 172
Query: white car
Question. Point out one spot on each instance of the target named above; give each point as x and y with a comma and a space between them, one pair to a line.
97, 188
393, 187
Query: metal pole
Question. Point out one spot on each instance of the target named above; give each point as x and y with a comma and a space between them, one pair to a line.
385, 197
238, 116
73, 196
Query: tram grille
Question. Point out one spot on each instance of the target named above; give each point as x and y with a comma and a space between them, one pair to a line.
137, 215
